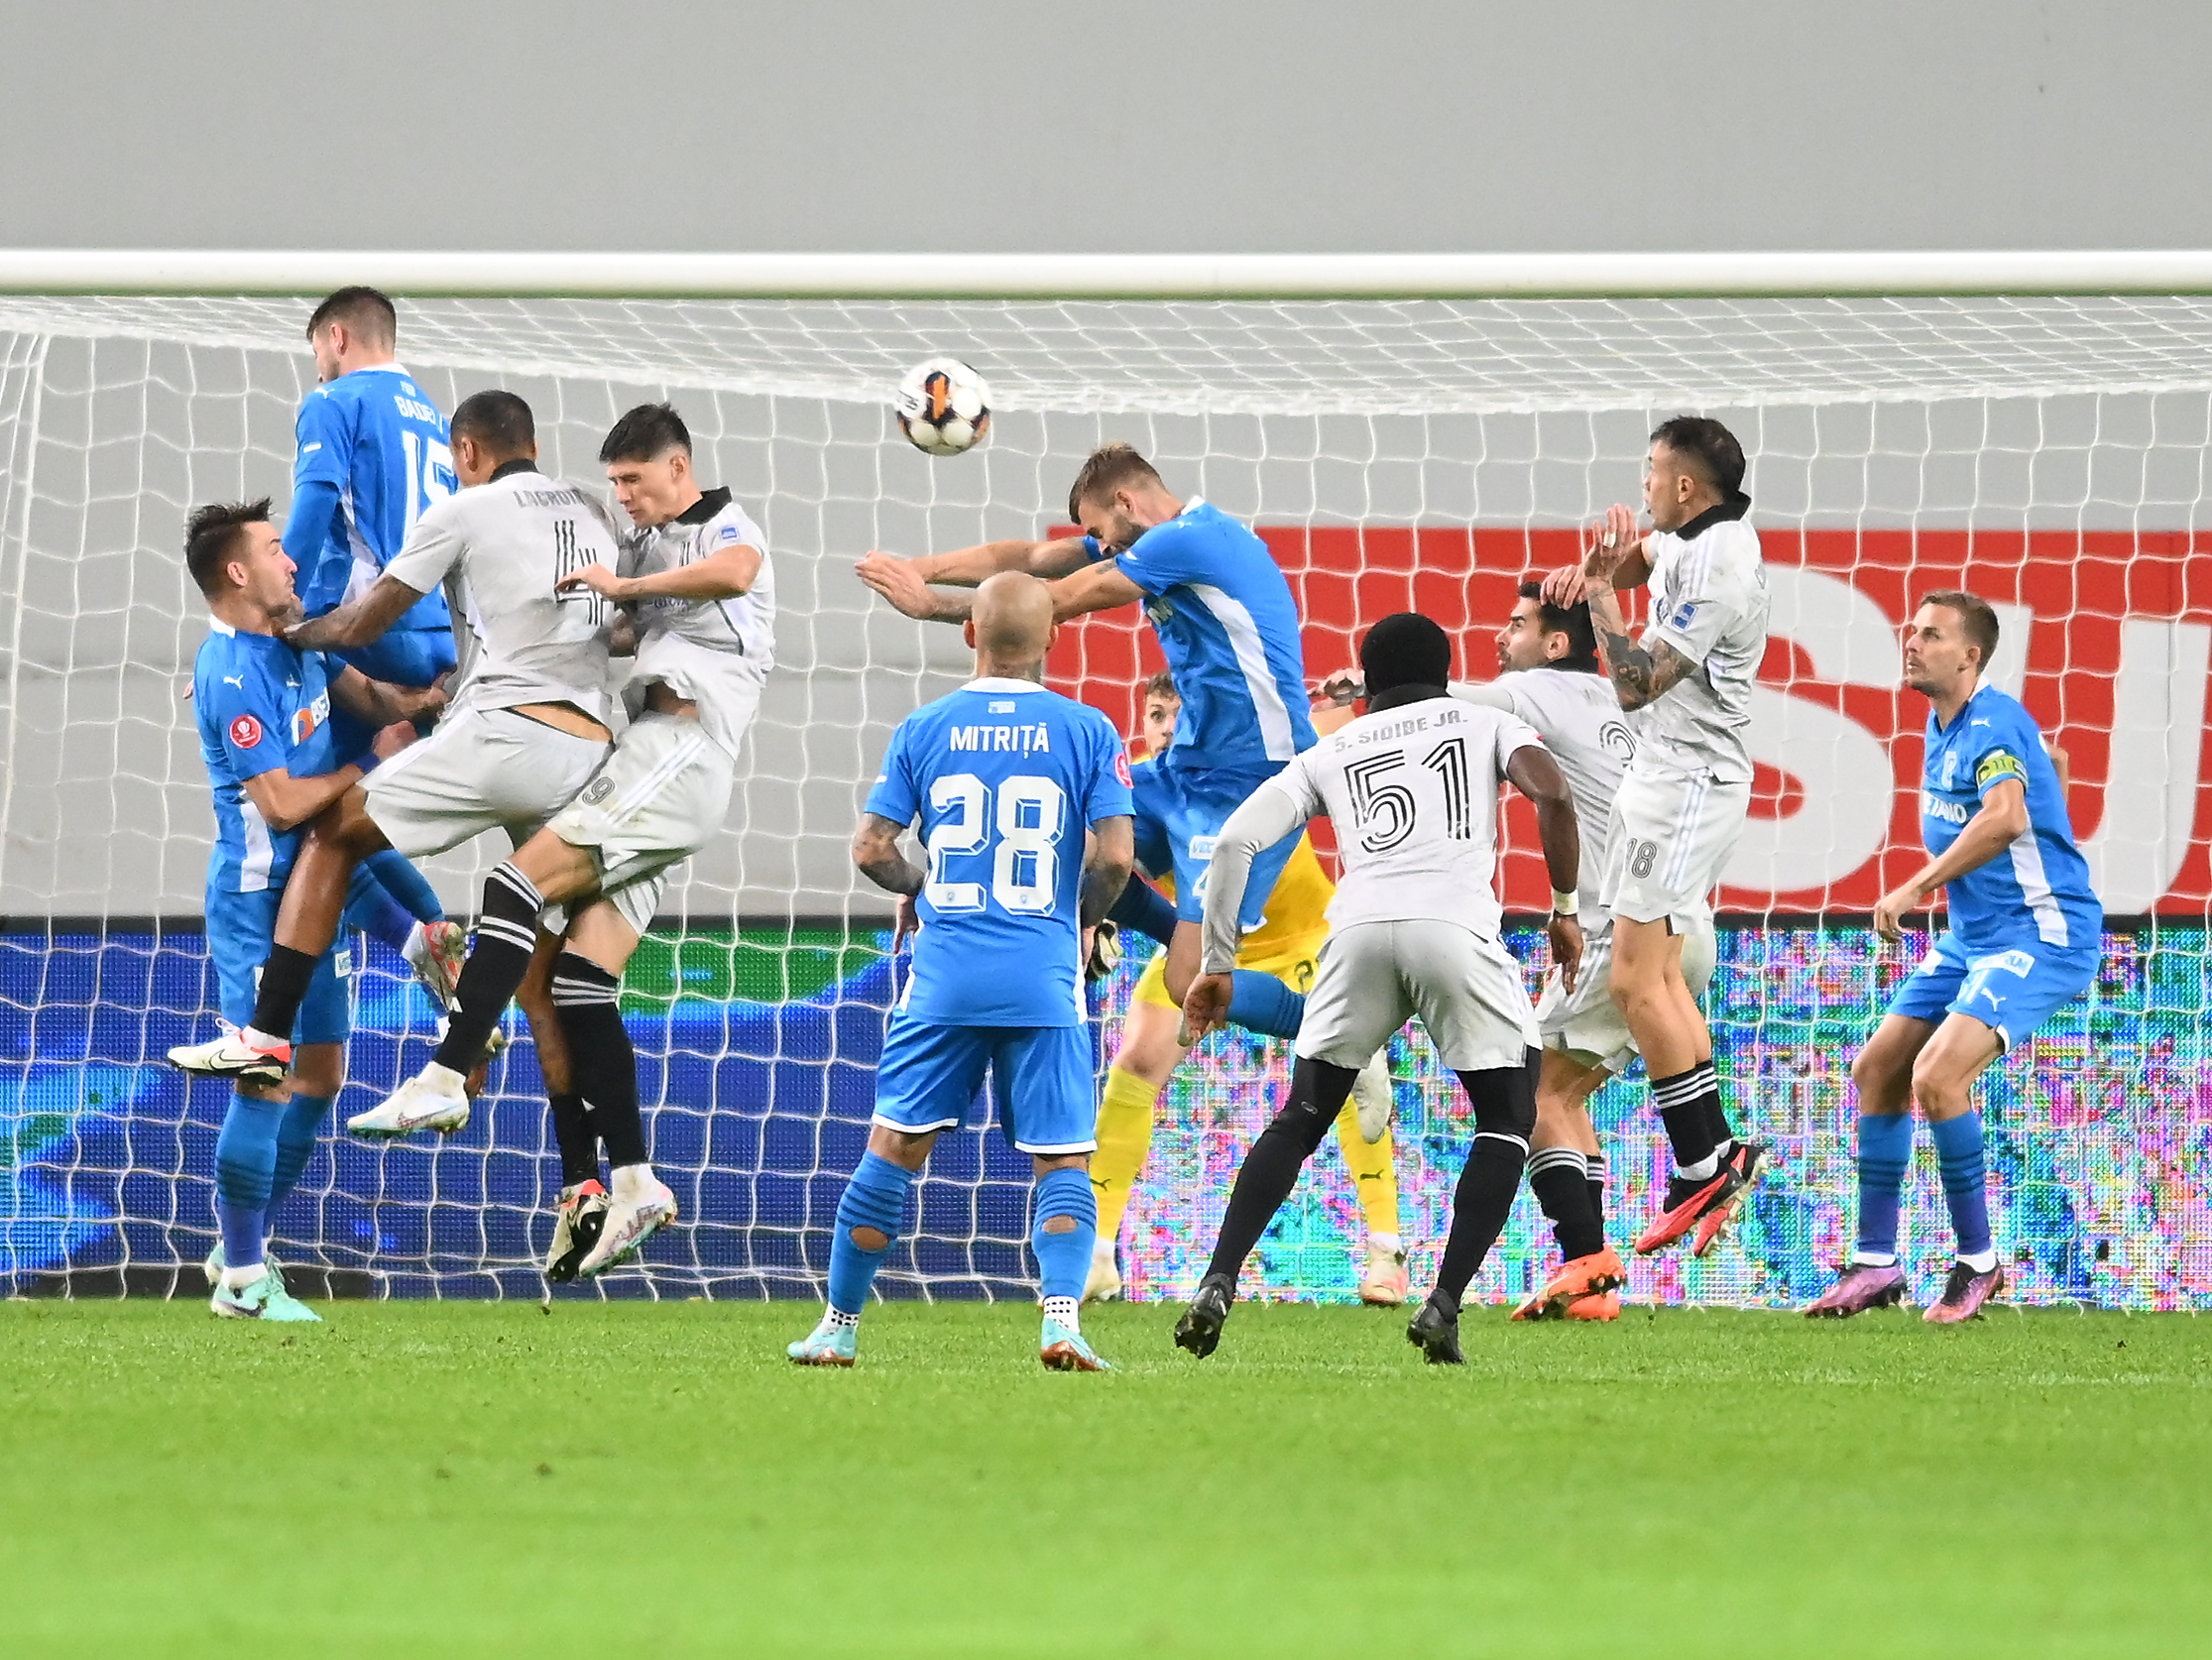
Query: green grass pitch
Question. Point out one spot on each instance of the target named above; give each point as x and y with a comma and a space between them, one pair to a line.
426, 1480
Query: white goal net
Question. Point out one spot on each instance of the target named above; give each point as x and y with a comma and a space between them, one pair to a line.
2050, 454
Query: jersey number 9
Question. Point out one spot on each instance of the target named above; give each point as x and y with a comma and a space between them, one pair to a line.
1024, 869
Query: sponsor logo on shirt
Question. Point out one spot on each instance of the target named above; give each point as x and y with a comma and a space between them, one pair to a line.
1935, 806
1997, 767
306, 721
1202, 847
245, 732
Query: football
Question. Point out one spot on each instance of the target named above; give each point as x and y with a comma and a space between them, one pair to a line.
943, 406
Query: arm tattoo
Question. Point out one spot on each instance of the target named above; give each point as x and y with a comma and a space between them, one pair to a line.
1638, 675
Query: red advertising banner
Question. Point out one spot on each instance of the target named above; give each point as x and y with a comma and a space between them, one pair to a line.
2107, 638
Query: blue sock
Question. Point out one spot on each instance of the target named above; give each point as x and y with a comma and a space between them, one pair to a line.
1146, 910
1064, 1259
297, 1136
1885, 1149
407, 884
1264, 1004
1958, 1155
875, 1198
245, 1157
374, 911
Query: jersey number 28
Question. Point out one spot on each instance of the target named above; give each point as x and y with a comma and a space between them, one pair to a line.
1024, 867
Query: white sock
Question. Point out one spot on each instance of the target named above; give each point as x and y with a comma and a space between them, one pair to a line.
237, 1279
443, 1079
633, 1182
1102, 1250
1389, 1244
1874, 1258
417, 947
1064, 1310
1702, 1171
838, 1321
1981, 1261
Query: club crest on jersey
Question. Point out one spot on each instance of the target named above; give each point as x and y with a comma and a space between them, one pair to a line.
245, 732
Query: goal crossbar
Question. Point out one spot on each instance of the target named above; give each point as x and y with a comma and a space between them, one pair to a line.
919, 276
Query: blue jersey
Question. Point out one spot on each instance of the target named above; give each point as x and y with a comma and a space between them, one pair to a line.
2038, 890
375, 437
261, 705
1005, 776
1229, 629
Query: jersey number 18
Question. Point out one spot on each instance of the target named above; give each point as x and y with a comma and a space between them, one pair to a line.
1024, 866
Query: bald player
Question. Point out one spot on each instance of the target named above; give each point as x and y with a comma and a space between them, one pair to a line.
1005, 779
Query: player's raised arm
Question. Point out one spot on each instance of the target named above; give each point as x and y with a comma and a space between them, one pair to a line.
1279, 807
357, 622
1536, 776
915, 586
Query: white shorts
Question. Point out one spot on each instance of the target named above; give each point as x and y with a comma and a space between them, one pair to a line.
480, 770
660, 796
1667, 842
1375, 975
1587, 1023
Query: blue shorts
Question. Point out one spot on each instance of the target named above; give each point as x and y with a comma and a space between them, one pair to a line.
1179, 816
413, 658
1047, 1092
2010, 992
240, 927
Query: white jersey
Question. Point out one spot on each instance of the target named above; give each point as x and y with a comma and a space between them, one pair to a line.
498, 550
1709, 601
717, 653
1579, 719
1414, 794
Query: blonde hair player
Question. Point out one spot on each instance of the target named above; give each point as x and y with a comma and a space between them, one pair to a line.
1287, 944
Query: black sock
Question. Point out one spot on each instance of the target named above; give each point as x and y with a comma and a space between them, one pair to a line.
1596, 1164
1504, 1100
1690, 1106
587, 1000
1270, 1170
284, 988
498, 958
572, 1132
1560, 1183
1723, 1135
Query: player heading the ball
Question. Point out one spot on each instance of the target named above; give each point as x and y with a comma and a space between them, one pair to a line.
1005, 779
2026, 937
1228, 626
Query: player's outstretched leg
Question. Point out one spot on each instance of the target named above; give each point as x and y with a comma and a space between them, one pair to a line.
1065, 1224
245, 1164
1270, 1170
436, 1098
870, 1215
1504, 1102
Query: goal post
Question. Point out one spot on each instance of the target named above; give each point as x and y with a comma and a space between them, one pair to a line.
1406, 432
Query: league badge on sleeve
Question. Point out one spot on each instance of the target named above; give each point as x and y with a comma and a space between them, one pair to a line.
245, 732
1121, 769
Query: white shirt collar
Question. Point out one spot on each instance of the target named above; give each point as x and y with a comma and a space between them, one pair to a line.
220, 627
1000, 683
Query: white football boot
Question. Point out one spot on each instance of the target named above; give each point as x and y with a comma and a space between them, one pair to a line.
433, 1098
1104, 1284
232, 1056
641, 1205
